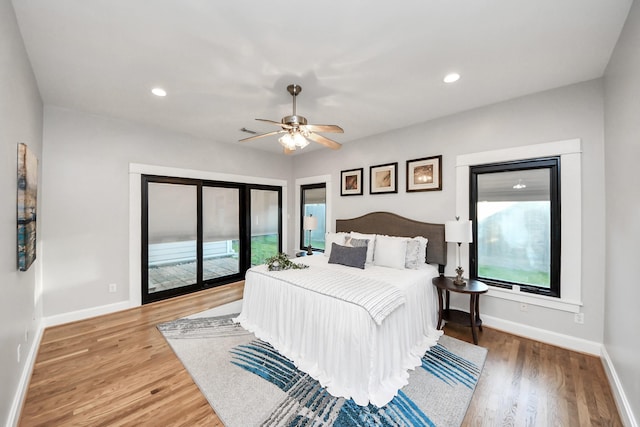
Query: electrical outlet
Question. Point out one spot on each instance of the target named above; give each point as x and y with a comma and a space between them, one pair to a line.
579, 318
18, 352
524, 307
113, 287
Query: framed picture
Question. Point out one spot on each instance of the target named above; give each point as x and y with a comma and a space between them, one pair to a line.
424, 174
351, 182
27, 202
383, 178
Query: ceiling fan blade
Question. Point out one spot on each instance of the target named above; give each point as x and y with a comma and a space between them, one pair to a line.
324, 128
283, 125
287, 151
324, 141
275, 132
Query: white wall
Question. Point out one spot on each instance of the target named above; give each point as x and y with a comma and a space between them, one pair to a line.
20, 121
571, 112
85, 204
622, 153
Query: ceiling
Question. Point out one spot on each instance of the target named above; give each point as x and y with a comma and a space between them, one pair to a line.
368, 66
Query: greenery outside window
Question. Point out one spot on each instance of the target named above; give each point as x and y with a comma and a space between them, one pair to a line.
515, 209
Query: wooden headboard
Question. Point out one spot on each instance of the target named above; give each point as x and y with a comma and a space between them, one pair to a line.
395, 225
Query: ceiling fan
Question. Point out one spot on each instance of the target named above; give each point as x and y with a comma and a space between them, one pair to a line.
297, 132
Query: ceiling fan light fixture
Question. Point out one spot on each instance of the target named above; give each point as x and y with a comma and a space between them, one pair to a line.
292, 140
519, 185
287, 142
299, 140
295, 130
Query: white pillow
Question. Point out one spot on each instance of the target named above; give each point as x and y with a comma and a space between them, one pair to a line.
391, 251
330, 238
370, 246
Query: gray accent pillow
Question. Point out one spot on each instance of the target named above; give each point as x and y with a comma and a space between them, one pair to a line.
345, 255
356, 243
413, 258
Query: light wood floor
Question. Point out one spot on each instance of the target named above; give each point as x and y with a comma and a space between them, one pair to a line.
118, 370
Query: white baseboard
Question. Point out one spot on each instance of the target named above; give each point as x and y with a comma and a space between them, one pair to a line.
542, 335
575, 344
23, 384
73, 316
25, 376
624, 408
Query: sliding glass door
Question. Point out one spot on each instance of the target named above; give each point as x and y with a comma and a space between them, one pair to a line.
265, 224
172, 231
198, 234
220, 232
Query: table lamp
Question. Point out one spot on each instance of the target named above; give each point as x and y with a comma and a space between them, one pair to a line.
458, 232
309, 224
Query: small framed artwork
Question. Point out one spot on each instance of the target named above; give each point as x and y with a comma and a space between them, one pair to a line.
351, 182
424, 174
383, 178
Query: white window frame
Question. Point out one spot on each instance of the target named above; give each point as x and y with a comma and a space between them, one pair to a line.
570, 153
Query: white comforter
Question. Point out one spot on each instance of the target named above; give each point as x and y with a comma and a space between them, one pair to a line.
338, 342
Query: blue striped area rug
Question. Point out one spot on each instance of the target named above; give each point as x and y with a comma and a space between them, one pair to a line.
248, 383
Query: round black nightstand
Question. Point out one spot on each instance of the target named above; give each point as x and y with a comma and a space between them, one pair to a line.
304, 253
473, 288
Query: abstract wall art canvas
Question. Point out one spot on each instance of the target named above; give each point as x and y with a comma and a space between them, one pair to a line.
27, 202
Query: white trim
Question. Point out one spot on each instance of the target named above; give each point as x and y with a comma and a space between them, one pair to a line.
624, 407
23, 384
558, 148
136, 170
543, 335
571, 213
533, 299
328, 203
142, 169
135, 239
86, 313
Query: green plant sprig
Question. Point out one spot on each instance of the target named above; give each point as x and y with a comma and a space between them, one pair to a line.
282, 262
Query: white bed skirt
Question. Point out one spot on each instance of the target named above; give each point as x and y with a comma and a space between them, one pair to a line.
338, 343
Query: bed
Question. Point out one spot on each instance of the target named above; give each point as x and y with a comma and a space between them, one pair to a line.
358, 351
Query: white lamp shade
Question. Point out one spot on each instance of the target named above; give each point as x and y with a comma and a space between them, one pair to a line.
458, 231
310, 223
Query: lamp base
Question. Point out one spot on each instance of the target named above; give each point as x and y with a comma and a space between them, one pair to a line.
309, 246
458, 280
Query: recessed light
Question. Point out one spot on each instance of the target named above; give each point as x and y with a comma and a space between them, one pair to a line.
452, 77
158, 91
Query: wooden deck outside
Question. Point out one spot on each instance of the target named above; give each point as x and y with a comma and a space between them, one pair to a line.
171, 276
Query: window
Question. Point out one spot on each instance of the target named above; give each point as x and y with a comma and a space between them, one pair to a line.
313, 199
198, 234
515, 209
